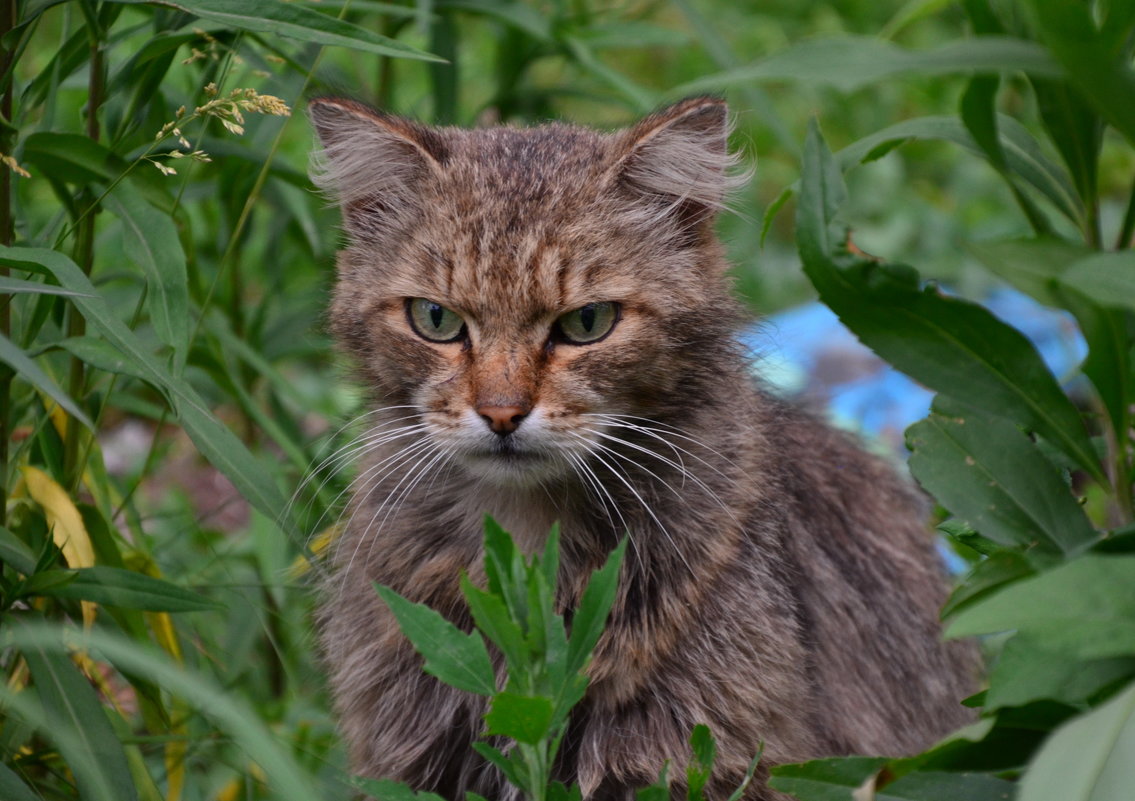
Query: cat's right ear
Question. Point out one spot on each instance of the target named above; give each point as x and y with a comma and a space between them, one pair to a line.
371, 163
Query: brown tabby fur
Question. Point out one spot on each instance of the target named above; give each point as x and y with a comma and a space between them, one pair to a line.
780, 585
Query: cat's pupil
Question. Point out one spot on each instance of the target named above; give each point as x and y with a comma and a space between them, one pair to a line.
436, 314
587, 317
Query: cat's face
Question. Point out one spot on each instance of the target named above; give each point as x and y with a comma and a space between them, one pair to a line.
518, 294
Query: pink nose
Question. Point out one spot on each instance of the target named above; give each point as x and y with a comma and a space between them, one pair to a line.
502, 419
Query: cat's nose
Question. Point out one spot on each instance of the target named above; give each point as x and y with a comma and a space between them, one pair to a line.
503, 419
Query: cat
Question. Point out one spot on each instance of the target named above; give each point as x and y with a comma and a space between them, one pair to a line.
543, 319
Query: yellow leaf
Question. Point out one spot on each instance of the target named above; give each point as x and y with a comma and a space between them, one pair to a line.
66, 524
319, 543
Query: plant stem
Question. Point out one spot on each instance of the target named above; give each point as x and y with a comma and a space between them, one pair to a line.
84, 257
7, 22
1123, 241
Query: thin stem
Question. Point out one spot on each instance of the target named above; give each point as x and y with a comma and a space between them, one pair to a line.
84, 257
1123, 241
7, 22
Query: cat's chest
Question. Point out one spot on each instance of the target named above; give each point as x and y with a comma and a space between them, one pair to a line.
528, 515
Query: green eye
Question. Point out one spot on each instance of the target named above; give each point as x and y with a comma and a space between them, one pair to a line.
589, 323
433, 321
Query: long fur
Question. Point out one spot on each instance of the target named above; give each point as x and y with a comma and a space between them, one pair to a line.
780, 584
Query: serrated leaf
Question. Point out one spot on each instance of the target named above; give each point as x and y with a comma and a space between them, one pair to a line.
1085, 607
953, 346
524, 718
505, 765
1090, 758
590, 618
989, 474
492, 619
825, 779
454, 657
124, 588
19, 361
700, 767
293, 21
847, 63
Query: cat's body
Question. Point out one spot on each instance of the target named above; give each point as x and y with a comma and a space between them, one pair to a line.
779, 584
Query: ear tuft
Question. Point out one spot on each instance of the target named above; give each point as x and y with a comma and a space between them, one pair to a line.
679, 158
370, 162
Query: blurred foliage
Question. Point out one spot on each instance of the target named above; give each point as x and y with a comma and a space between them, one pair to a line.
166, 385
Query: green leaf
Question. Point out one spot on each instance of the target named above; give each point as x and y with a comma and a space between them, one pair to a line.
293, 21
524, 718
700, 767
509, 768
150, 241
992, 573
953, 346
216, 442
589, 619
848, 63
19, 361
91, 748
1106, 278
1090, 758
490, 615
17, 286
942, 786
130, 590
16, 553
660, 789
388, 790
101, 355
12, 789
1028, 670
517, 15
825, 779
1099, 70
456, 658
1086, 607
989, 474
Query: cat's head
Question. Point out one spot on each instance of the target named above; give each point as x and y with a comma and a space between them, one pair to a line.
512, 289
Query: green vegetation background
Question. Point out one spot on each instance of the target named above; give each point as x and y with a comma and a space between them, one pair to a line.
170, 403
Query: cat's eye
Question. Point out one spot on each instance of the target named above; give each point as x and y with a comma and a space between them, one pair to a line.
588, 323
433, 321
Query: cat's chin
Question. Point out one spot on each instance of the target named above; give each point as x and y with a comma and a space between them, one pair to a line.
513, 468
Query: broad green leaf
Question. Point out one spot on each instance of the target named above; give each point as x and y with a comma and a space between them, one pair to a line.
1106, 278
1090, 758
825, 779
150, 240
231, 714
951, 345
590, 618
19, 361
1033, 266
130, 590
16, 553
524, 718
505, 570
988, 473
942, 786
93, 752
456, 658
1085, 607
848, 63
1027, 670
700, 768
12, 788
293, 21
216, 442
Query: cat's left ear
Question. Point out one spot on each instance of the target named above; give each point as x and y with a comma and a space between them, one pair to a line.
679, 159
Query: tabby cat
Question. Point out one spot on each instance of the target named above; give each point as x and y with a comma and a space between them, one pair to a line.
543, 319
